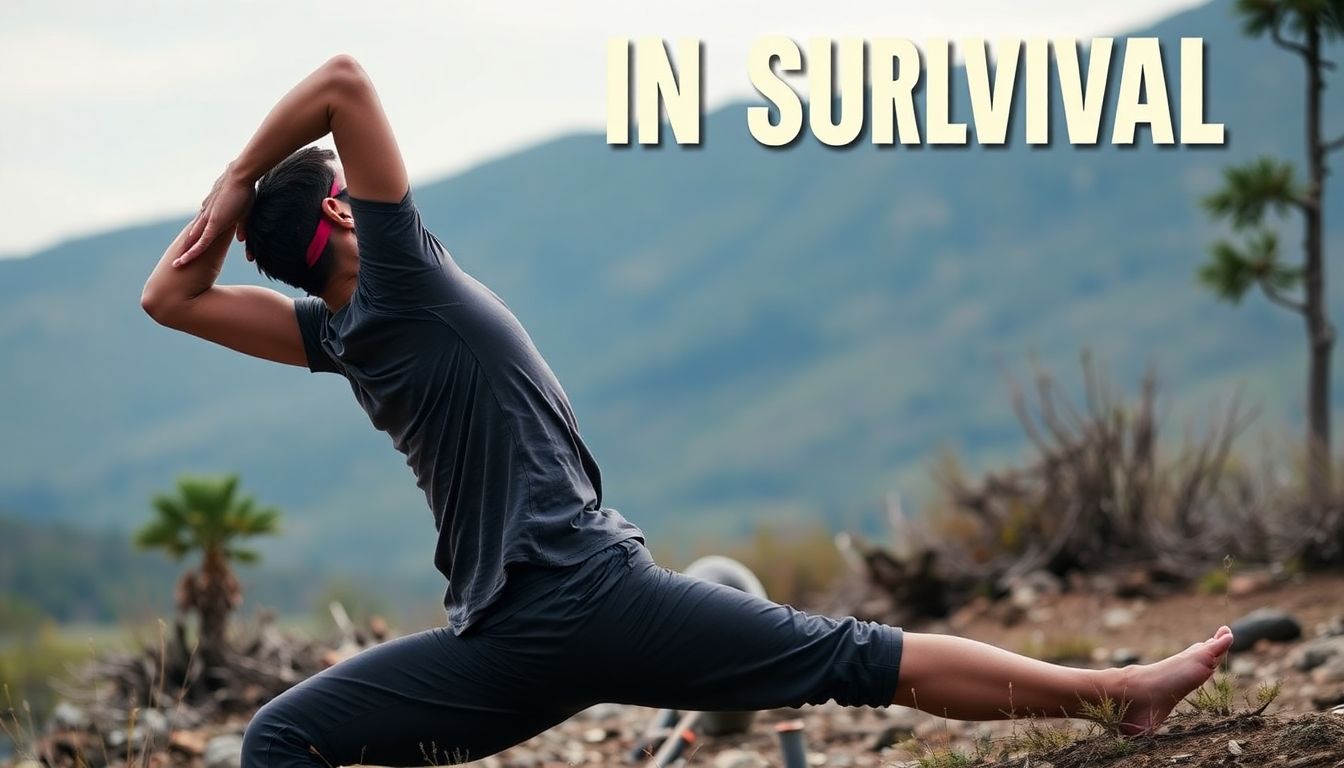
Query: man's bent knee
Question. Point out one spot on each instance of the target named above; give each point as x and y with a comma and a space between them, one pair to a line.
274, 740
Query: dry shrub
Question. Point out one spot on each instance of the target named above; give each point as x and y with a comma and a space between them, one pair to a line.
1101, 491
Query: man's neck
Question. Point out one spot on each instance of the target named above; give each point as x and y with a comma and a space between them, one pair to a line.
339, 291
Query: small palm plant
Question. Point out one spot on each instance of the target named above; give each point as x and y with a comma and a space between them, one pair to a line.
207, 514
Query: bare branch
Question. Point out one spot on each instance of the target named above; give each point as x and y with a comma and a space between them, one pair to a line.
1273, 295
1331, 146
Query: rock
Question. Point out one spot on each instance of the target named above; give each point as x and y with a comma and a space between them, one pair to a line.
1024, 591
224, 751
1331, 701
740, 758
190, 742
1332, 628
1317, 652
1234, 747
155, 723
603, 712
68, 717
522, 757
1041, 614
1332, 671
889, 736
1123, 657
1117, 617
1243, 667
183, 718
1264, 624
595, 735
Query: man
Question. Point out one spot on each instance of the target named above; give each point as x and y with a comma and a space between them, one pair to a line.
553, 602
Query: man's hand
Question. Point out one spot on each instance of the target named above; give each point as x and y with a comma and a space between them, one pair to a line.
221, 213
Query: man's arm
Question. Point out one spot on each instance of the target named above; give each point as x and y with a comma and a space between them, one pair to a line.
338, 99
247, 318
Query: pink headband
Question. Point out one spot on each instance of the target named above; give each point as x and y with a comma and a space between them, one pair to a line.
319, 241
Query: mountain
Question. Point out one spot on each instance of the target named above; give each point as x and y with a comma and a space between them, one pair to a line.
745, 333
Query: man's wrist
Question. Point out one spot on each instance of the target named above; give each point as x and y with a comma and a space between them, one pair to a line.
238, 173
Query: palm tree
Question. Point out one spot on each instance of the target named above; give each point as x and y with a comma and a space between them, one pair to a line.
207, 514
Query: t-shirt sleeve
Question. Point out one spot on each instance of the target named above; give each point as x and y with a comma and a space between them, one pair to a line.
312, 313
400, 263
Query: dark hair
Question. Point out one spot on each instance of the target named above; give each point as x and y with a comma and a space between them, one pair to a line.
285, 215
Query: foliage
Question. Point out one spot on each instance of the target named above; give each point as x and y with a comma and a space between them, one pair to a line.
207, 515
30, 661
1107, 713
1215, 697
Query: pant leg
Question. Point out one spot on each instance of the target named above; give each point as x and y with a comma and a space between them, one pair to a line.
662, 639
431, 698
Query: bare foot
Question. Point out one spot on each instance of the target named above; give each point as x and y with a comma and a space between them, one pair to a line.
1153, 690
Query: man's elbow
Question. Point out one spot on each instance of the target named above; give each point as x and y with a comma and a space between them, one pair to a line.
347, 76
158, 306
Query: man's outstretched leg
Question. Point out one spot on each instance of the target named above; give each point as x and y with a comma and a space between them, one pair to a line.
661, 639
969, 680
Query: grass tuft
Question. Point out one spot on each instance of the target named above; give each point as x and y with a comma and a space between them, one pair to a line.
1108, 713
1215, 697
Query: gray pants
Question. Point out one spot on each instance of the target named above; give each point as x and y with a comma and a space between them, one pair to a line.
614, 628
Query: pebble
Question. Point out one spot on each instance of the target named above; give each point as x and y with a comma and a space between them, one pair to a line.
889, 736
1234, 747
155, 723
603, 712
1117, 617
224, 751
595, 735
1264, 624
1123, 657
68, 717
1243, 667
1317, 652
1332, 628
1332, 671
740, 758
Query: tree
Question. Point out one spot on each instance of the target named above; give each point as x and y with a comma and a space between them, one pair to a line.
1253, 190
206, 514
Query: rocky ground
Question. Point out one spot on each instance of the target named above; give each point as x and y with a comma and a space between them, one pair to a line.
1302, 728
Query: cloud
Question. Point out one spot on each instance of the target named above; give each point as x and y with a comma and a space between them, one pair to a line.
59, 67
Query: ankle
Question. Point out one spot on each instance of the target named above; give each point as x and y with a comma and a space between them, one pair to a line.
1116, 683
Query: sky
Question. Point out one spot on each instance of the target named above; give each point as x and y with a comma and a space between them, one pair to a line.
116, 113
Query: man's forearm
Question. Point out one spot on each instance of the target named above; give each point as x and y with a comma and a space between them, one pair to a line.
302, 116
169, 288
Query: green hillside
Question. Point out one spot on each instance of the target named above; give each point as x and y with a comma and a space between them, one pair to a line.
744, 332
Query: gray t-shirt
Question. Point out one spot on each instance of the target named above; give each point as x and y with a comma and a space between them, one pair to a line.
441, 365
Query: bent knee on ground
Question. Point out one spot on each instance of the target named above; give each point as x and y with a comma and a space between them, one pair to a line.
273, 739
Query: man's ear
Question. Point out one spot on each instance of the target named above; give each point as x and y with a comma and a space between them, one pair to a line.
337, 213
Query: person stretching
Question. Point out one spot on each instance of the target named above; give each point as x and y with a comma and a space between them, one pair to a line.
553, 602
